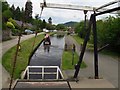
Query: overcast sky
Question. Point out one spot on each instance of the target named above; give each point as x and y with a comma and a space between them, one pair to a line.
61, 15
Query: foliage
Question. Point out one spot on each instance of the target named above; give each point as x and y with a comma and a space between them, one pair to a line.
17, 14
80, 30
14, 23
60, 27
43, 24
28, 11
108, 32
10, 25
5, 6
50, 27
15, 32
7, 14
12, 9
50, 20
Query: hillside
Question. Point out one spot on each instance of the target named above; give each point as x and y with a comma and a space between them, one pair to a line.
70, 24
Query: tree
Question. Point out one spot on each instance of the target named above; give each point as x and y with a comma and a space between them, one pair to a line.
28, 11
5, 6
17, 14
10, 25
37, 22
37, 16
108, 32
50, 20
12, 9
6, 15
80, 30
43, 24
60, 27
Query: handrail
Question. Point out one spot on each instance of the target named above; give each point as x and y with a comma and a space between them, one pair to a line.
43, 73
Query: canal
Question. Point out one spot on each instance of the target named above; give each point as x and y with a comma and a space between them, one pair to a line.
51, 58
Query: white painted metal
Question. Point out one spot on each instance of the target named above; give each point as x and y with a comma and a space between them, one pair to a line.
28, 73
57, 74
23, 75
43, 72
73, 7
60, 72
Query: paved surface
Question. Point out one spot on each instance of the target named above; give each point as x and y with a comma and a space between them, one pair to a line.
91, 83
108, 66
4, 76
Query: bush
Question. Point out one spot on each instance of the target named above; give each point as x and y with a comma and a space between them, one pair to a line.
10, 25
15, 32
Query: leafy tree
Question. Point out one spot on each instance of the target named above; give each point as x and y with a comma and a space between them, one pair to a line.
22, 14
50, 20
5, 6
10, 25
37, 22
50, 27
14, 23
17, 13
12, 9
60, 27
28, 11
43, 24
80, 29
7, 14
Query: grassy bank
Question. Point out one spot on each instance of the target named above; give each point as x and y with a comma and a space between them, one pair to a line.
67, 60
23, 56
80, 41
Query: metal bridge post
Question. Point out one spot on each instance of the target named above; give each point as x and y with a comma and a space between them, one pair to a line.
95, 47
77, 67
85, 23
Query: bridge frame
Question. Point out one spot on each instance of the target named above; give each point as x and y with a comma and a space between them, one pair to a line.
92, 23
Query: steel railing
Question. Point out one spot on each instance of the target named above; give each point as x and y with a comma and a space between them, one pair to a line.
42, 72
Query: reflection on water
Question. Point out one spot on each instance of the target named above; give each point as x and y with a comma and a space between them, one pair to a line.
57, 42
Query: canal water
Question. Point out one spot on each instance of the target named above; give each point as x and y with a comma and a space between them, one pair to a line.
51, 58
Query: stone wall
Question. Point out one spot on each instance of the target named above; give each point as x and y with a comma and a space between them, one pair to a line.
6, 34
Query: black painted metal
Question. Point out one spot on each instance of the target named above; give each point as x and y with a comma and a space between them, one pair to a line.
92, 21
83, 49
108, 11
85, 23
14, 63
95, 47
103, 47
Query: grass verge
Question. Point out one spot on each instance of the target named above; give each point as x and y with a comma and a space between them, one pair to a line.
67, 60
23, 56
80, 41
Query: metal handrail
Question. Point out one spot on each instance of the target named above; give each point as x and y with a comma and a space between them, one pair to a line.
57, 72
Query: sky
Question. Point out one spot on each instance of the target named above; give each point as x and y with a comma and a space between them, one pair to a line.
62, 15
